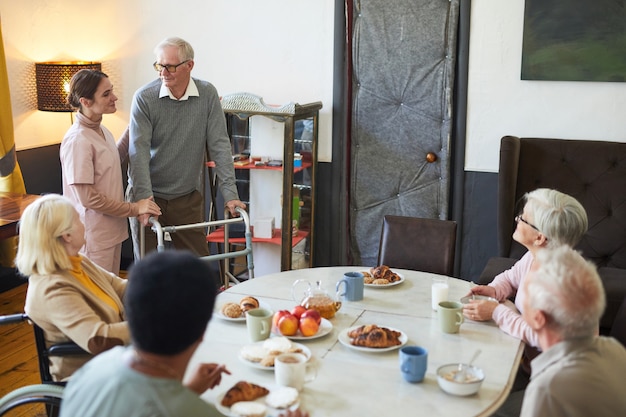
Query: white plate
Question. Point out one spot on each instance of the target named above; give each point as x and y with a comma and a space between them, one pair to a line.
218, 313
467, 298
270, 410
393, 284
325, 327
305, 351
344, 339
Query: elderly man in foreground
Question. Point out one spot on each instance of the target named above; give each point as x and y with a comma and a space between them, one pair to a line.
578, 373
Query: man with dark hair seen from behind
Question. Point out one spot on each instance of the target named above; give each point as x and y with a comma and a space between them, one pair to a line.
579, 373
169, 301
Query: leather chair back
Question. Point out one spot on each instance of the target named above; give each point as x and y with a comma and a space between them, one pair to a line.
418, 244
618, 330
593, 172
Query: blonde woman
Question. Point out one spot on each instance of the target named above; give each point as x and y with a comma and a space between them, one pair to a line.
68, 296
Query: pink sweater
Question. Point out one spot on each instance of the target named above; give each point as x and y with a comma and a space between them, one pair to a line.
507, 284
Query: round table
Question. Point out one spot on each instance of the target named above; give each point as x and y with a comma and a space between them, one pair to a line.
355, 383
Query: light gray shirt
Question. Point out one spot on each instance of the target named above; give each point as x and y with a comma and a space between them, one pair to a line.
578, 378
106, 386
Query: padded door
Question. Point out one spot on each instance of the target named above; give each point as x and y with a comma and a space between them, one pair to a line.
404, 54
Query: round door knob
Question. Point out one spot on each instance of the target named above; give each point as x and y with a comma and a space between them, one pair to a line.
431, 157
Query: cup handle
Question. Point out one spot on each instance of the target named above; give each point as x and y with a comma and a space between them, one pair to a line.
263, 327
343, 281
461, 318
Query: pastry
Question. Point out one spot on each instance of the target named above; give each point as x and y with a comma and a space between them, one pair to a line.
243, 391
380, 281
282, 397
232, 310
248, 409
372, 336
248, 303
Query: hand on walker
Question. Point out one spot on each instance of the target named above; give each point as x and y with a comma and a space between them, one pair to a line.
148, 206
206, 376
232, 204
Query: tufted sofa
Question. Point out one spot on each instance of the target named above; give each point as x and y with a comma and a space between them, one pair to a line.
594, 172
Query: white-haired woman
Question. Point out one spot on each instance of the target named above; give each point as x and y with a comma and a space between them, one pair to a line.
549, 219
68, 296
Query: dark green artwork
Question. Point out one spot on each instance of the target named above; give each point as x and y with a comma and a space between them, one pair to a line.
574, 40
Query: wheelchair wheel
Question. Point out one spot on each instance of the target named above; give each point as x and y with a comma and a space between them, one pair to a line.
47, 394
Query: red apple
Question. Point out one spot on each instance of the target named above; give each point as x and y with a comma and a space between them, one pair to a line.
288, 325
277, 316
308, 326
312, 313
297, 311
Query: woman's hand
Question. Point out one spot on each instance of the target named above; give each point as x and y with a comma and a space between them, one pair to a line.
206, 376
485, 290
147, 206
479, 310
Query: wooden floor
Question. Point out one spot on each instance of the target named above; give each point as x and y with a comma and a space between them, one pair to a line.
18, 356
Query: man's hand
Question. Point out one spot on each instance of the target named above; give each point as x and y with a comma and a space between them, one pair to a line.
232, 204
206, 376
143, 219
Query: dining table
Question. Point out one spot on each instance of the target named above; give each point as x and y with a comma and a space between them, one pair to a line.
352, 382
12, 206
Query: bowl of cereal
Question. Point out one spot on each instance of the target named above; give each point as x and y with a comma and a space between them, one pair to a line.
468, 385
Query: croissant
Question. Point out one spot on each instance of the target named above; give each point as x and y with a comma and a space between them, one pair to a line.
379, 271
373, 336
248, 303
243, 391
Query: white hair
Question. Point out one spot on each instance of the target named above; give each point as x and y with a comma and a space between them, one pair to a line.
568, 289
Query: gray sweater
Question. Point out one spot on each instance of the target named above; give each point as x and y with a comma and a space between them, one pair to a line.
168, 140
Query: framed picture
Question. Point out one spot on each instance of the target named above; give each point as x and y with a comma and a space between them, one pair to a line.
574, 40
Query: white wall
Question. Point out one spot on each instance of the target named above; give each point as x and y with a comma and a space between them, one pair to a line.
500, 104
281, 50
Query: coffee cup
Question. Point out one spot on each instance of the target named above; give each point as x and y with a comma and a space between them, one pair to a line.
450, 316
413, 363
259, 323
292, 370
439, 291
354, 284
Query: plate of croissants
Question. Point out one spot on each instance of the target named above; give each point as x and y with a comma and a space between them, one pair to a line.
233, 311
373, 338
381, 277
252, 400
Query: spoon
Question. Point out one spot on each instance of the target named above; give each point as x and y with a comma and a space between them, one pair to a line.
462, 369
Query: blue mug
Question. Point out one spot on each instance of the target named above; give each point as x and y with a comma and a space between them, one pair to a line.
353, 281
413, 363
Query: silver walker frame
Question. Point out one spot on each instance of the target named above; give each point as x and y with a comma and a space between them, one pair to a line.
247, 251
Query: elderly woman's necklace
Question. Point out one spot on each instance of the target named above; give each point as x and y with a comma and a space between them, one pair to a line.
137, 359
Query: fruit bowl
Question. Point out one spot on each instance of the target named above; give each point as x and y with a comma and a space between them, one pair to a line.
474, 378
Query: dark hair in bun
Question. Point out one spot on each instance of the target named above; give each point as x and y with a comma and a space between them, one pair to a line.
84, 84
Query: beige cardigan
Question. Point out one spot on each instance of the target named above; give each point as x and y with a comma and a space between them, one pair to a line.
67, 311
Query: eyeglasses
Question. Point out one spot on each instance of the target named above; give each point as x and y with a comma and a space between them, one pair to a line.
519, 218
170, 68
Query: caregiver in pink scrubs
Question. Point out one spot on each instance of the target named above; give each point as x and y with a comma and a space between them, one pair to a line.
92, 171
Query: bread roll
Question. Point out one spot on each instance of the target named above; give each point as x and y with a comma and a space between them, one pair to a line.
248, 303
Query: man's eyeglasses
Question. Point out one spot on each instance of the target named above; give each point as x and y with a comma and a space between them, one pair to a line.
519, 218
170, 68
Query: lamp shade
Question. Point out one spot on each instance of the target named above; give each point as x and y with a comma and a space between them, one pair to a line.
53, 83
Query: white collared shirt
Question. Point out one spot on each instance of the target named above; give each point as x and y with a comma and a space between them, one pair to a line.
191, 91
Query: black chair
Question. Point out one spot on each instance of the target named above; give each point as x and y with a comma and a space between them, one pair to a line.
593, 172
418, 244
618, 330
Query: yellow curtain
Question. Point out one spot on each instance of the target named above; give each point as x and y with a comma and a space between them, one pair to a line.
10, 174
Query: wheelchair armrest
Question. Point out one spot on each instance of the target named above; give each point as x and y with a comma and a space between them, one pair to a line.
66, 349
